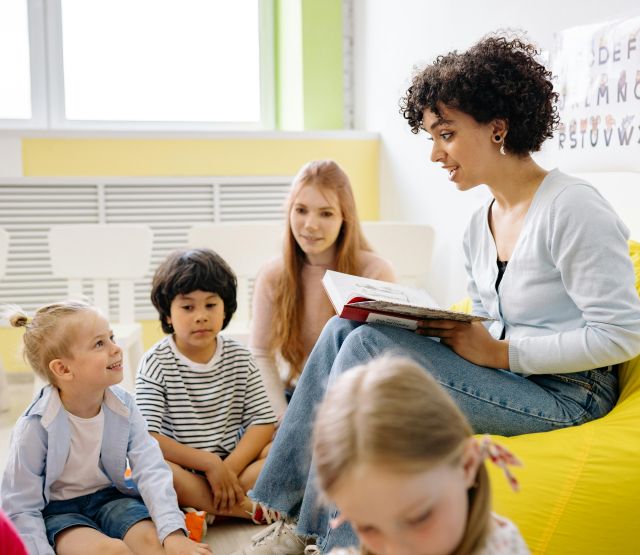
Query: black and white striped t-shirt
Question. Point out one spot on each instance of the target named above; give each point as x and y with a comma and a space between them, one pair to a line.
205, 406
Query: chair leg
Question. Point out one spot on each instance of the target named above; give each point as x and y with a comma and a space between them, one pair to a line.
127, 373
130, 340
135, 354
4, 390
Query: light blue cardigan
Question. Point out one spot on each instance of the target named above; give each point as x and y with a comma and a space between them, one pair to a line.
567, 299
39, 448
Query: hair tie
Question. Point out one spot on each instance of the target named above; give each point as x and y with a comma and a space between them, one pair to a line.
501, 457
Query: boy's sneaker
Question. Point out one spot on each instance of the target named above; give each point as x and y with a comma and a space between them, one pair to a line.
278, 539
262, 515
196, 523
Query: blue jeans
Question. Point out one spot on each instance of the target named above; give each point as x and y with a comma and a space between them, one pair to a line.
494, 401
107, 510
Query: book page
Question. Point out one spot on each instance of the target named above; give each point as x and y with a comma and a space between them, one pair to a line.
347, 287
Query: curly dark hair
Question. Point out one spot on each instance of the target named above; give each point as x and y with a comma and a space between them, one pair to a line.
497, 78
185, 271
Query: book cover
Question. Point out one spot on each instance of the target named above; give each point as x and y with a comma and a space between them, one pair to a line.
373, 301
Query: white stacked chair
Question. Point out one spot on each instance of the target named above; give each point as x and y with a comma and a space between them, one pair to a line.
408, 247
100, 254
4, 250
245, 246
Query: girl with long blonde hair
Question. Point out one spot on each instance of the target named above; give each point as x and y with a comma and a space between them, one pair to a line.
398, 458
290, 306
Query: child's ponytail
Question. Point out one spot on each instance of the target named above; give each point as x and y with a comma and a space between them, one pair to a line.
15, 316
45, 337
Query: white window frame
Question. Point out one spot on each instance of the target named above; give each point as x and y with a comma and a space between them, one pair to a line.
47, 81
38, 71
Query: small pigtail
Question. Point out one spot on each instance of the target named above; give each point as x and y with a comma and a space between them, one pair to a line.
15, 316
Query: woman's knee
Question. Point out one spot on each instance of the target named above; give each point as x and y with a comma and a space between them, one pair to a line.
363, 343
337, 329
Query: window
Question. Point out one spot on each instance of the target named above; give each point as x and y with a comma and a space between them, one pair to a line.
15, 93
141, 64
21, 84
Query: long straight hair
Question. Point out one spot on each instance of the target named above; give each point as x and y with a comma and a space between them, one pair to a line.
392, 412
326, 175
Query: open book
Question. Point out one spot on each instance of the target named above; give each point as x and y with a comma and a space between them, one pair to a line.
374, 301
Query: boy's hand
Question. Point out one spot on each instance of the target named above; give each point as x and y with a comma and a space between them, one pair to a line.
224, 485
240, 495
177, 543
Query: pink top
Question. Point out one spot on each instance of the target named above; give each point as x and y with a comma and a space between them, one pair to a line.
10, 541
503, 539
317, 311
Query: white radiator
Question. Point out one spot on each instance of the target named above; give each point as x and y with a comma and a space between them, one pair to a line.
29, 206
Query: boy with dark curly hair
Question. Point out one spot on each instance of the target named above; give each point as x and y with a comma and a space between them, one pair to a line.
201, 393
547, 261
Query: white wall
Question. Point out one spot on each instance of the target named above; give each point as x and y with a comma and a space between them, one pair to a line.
394, 36
10, 157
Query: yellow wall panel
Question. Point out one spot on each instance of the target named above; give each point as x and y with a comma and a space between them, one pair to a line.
198, 157
11, 350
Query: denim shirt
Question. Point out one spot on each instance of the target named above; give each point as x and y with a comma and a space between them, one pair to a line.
40, 444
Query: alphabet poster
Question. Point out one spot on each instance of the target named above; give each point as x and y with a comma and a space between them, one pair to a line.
597, 72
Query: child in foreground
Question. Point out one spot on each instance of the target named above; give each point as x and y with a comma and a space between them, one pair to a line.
64, 484
201, 393
398, 458
10, 540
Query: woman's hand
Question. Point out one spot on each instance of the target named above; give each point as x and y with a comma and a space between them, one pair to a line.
470, 340
225, 487
177, 543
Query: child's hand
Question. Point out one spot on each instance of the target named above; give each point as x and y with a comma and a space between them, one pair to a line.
177, 543
224, 485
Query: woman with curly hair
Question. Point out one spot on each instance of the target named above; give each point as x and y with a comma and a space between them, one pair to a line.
546, 258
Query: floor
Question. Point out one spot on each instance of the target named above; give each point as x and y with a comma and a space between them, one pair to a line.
224, 537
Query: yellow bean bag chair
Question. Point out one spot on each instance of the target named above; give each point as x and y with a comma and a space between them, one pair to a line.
580, 486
